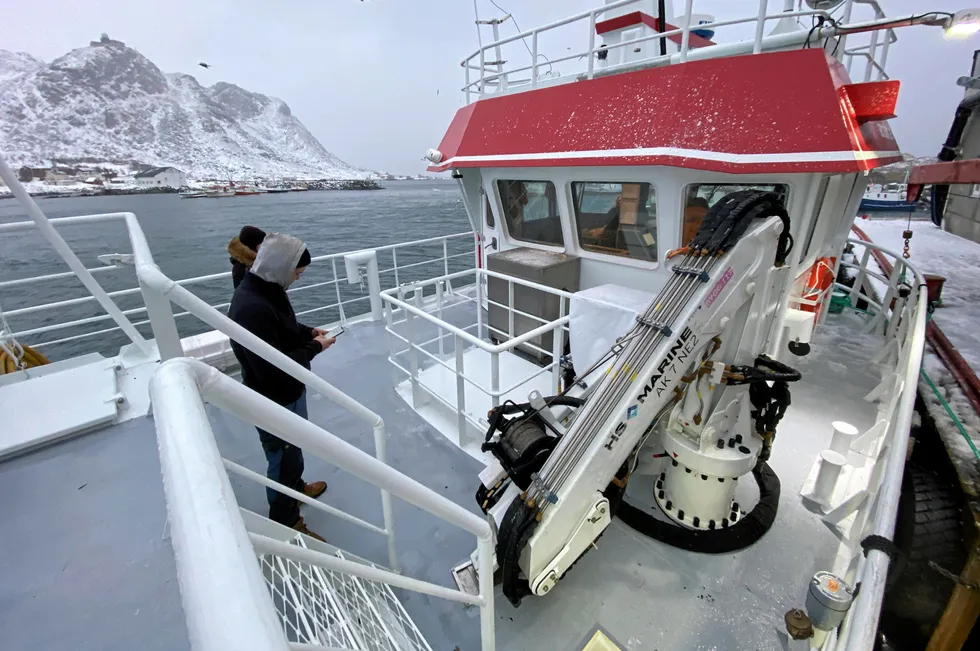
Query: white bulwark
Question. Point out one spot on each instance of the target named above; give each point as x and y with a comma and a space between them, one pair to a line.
162, 177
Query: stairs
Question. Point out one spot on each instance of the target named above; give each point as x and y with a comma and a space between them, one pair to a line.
325, 608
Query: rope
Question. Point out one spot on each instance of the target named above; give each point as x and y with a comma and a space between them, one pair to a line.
949, 410
13, 356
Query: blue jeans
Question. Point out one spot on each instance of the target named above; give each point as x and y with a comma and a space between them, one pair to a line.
286, 466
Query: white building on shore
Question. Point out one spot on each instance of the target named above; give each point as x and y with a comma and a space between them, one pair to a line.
161, 177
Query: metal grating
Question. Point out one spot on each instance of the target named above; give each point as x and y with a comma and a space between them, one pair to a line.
318, 606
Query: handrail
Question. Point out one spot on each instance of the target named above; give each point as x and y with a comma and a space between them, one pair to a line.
179, 389
336, 281
905, 334
493, 76
59, 244
862, 625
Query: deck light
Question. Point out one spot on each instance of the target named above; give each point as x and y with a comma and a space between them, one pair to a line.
963, 23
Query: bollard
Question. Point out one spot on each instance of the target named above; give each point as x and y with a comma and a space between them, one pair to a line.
830, 464
844, 434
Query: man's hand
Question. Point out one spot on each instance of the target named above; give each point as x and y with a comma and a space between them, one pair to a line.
324, 341
319, 332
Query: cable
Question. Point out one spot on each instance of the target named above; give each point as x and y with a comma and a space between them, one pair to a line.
524, 40
949, 411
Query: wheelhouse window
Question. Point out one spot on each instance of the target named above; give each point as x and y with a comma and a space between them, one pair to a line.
531, 211
701, 197
617, 218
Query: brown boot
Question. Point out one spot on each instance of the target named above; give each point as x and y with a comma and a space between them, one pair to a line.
301, 527
315, 490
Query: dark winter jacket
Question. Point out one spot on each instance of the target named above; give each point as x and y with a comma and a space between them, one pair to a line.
261, 306
242, 258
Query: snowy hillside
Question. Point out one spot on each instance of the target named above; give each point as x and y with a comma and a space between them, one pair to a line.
109, 102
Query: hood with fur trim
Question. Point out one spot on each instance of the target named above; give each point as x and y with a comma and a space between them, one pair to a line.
241, 253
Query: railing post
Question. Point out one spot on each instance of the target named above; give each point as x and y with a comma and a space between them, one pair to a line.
842, 40
483, 70
480, 332
760, 26
442, 352
591, 43
686, 34
381, 453
445, 256
495, 378
558, 346
336, 284
501, 76
534, 59
869, 68
392, 346
884, 53
394, 264
487, 617
413, 358
510, 310
862, 273
162, 322
460, 390
353, 262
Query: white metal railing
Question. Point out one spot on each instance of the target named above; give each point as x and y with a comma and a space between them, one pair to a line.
218, 590
226, 601
870, 496
404, 302
345, 308
492, 75
869, 52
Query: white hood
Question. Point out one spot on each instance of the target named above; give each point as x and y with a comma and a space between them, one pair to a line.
277, 258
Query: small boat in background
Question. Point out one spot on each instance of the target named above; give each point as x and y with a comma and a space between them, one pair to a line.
277, 190
886, 197
217, 193
299, 188
246, 190
193, 194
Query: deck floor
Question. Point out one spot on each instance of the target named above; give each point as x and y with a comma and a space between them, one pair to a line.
84, 563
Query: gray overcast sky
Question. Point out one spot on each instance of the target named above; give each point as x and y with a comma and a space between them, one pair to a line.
378, 81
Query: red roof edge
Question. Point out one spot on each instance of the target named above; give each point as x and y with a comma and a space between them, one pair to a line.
873, 100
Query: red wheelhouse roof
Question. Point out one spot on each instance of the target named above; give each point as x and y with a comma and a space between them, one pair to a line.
775, 112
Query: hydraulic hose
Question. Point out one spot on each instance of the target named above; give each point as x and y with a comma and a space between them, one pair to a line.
948, 152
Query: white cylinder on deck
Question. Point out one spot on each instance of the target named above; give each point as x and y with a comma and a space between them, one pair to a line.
844, 434
830, 466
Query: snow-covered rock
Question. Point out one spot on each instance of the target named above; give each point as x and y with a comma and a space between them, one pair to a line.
109, 102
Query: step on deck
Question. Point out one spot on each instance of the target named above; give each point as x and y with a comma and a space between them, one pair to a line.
322, 607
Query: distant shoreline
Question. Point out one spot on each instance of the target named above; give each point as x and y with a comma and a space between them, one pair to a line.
312, 186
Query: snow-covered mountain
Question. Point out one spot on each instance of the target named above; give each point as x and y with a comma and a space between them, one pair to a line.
109, 102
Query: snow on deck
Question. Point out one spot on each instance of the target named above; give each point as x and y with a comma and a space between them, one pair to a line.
936, 251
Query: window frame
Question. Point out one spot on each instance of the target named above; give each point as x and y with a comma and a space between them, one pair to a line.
504, 223
625, 260
748, 184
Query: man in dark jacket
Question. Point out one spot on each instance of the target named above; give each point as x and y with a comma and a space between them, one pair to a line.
242, 250
261, 306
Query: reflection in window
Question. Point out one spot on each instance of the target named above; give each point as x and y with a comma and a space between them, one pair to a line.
701, 197
617, 218
531, 211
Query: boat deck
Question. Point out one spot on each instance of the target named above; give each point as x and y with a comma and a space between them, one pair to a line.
86, 564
